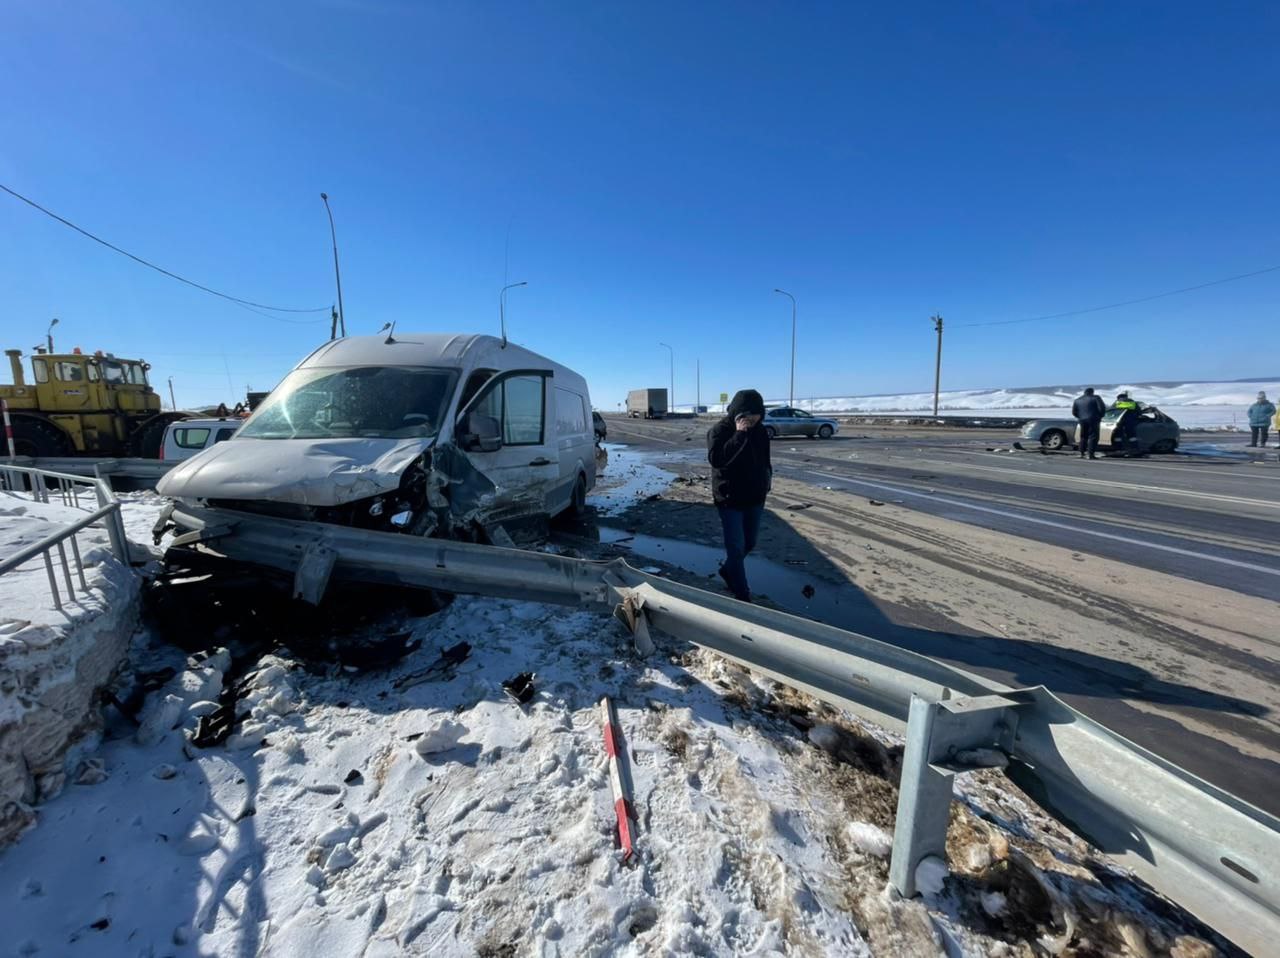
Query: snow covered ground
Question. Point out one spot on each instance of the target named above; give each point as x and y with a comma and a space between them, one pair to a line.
53, 661
420, 810
1201, 404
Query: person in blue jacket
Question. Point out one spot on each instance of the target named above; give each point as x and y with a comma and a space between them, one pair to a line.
1260, 414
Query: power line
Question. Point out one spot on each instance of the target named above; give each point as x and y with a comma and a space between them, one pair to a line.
160, 269
1127, 302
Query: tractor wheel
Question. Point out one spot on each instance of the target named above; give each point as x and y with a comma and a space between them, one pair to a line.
145, 441
39, 439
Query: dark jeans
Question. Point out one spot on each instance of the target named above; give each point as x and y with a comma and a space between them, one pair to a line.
1259, 435
1089, 437
1125, 436
741, 529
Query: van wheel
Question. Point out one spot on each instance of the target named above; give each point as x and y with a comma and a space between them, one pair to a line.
38, 439
825, 432
579, 502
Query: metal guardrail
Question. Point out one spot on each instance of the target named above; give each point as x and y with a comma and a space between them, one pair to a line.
1216, 855
45, 486
145, 470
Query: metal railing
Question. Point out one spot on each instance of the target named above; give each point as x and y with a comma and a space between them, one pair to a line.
46, 487
1213, 853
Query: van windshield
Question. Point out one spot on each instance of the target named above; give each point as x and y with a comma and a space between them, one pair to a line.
385, 402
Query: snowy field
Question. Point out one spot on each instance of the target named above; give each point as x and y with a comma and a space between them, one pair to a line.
1194, 405
418, 809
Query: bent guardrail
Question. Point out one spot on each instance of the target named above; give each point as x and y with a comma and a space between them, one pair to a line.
1216, 855
44, 486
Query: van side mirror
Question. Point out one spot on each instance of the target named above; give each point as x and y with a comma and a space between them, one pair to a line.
481, 433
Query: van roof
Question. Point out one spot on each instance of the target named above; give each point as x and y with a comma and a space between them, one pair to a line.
468, 350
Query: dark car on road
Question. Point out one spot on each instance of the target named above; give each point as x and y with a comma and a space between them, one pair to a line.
787, 421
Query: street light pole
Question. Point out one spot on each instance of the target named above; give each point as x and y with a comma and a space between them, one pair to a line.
671, 400
333, 234
49, 335
937, 367
502, 309
791, 398
172, 401
697, 396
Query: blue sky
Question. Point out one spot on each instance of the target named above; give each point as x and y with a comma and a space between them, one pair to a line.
658, 169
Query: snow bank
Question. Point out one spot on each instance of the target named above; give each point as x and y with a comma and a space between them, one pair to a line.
53, 663
1197, 403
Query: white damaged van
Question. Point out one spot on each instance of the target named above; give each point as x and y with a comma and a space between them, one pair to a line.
428, 434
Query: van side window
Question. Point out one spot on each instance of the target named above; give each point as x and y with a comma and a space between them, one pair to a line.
517, 404
474, 382
41, 369
191, 438
571, 417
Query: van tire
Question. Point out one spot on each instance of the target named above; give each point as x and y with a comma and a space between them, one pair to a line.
578, 504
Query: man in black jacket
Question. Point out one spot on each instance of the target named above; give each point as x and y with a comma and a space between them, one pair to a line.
1088, 410
741, 475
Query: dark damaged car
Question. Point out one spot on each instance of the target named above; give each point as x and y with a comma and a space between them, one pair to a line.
422, 434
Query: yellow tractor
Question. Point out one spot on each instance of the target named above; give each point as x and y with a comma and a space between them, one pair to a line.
80, 405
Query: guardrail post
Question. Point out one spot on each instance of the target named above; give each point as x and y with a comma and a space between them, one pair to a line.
943, 738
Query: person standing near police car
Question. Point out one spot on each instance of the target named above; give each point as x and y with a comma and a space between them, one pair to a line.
1088, 410
1260, 414
741, 476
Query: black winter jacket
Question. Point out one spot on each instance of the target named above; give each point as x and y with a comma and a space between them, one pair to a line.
1088, 408
741, 470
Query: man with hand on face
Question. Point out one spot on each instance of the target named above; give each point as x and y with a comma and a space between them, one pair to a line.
741, 476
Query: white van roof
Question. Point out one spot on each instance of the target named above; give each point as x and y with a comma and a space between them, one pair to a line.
467, 351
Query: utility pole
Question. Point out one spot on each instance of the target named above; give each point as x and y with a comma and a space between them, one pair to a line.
173, 402
49, 335
937, 368
697, 400
333, 234
791, 397
671, 398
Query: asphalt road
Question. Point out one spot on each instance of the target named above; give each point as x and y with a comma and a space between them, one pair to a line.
1210, 513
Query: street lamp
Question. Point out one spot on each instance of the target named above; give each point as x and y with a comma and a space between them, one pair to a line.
49, 335
333, 234
671, 402
791, 400
502, 309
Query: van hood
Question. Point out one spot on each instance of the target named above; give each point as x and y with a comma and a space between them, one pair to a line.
312, 472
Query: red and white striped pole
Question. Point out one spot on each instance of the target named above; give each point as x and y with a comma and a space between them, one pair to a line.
8, 427
619, 779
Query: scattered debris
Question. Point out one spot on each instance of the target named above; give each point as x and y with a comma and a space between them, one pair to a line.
799, 506
520, 687
875, 502
353, 778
